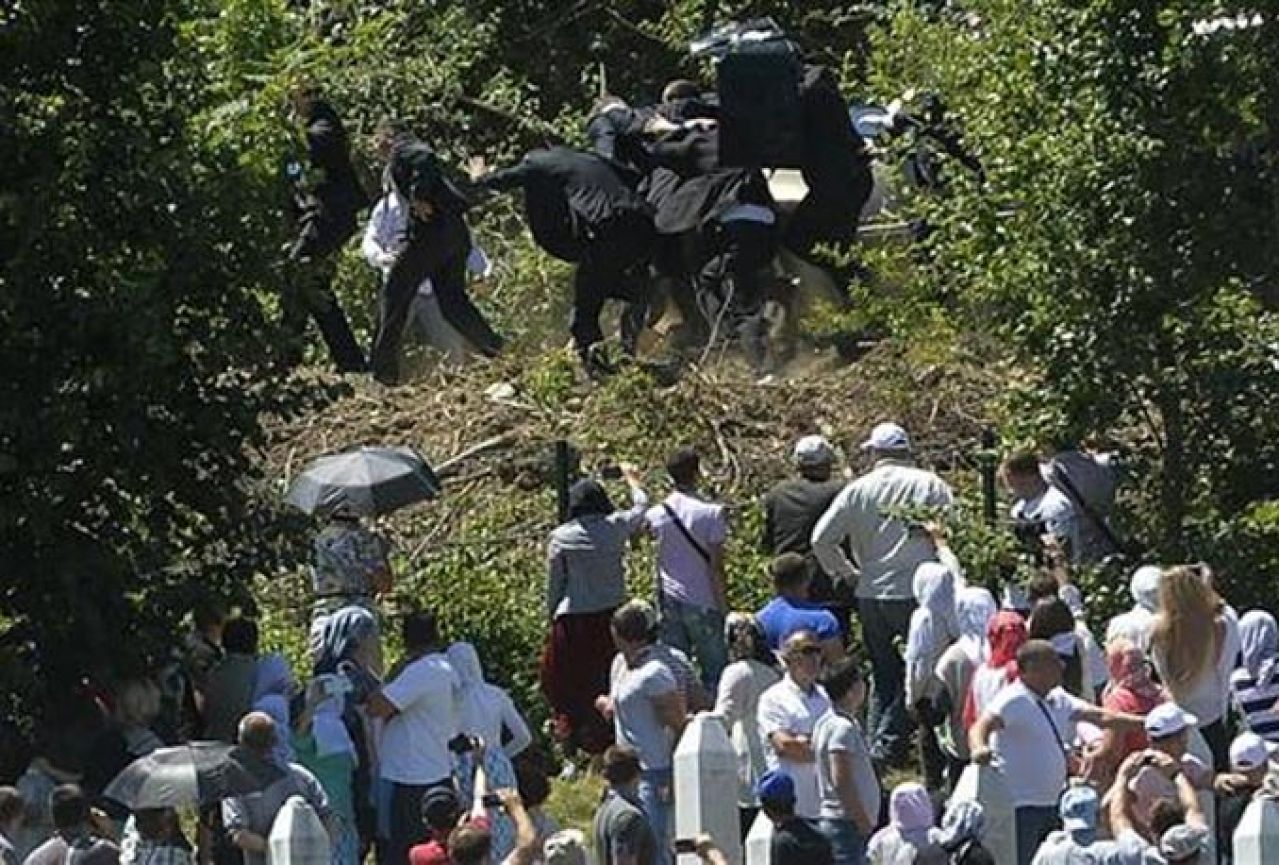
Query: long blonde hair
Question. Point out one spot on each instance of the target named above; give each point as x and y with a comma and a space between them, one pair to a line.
1185, 633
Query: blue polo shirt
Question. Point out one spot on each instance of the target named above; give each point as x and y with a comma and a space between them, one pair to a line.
783, 617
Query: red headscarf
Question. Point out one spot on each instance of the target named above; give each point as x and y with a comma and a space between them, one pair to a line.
1006, 633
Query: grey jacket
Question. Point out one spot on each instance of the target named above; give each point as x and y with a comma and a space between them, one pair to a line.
586, 560
886, 550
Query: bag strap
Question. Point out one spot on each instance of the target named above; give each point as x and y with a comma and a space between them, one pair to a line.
688, 536
1052, 725
1057, 477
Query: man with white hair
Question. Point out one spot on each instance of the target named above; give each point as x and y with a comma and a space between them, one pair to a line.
1135, 624
792, 509
248, 819
886, 550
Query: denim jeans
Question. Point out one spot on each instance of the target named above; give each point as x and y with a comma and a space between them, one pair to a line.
1034, 822
847, 846
885, 624
656, 795
699, 633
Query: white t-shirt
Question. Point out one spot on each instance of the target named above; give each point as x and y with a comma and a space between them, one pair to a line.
1030, 754
414, 744
786, 708
1057, 514
636, 720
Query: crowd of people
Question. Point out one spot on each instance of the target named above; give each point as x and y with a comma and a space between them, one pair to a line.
1145, 746
647, 212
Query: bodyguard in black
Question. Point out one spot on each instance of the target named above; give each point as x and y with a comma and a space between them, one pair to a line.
326, 200
580, 209
438, 245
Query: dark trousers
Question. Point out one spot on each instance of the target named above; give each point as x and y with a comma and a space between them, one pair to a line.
1033, 823
437, 250
310, 293
407, 827
614, 266
734, 278
885, 624
823, 219
1218, 739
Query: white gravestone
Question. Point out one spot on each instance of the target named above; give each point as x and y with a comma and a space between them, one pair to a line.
706, 787
1257, 836
985, 785
759, 842
298, 836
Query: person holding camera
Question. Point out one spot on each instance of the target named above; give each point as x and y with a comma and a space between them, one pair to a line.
418, 710
471, 843
1039, 508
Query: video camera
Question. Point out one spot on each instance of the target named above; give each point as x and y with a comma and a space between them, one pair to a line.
759, 77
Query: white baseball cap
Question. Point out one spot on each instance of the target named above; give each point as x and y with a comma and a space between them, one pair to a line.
887, 437
1168, 719
1249, 751
814, 451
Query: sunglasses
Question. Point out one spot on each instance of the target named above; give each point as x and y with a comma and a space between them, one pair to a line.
810, 651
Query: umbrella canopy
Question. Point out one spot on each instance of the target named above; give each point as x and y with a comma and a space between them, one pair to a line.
201, 773
368, 481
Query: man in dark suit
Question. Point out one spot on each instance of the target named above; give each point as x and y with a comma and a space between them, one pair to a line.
581, 209
326, 200
726, 218
438, 244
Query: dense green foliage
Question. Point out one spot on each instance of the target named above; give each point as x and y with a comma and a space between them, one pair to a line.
1112, 269
1122, 249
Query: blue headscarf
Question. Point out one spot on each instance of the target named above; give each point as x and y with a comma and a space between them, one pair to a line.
335, 638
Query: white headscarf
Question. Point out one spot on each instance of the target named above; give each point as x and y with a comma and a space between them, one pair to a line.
1144, 587
974, 608
1259, 638
479, 708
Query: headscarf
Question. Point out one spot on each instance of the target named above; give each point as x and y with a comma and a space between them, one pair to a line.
478, 713
1259, 639
1129, 668
964, 823
335, 638
1144, 587
934, 587
974, 608
588, 498
1004, 635
910, 810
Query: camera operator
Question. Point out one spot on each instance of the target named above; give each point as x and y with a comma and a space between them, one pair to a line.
1039, 509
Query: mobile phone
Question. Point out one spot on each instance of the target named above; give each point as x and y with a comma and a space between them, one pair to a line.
491, 800
685, 845
461, 744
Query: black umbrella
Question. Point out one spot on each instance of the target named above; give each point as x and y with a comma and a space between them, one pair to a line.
201, 773
368, 481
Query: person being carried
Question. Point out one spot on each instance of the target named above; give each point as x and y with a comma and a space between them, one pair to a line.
582, 210
439, 244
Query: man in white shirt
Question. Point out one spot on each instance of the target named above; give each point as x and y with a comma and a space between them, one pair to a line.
690, 534
1029, 729
1040, 509
419, 711
787, 714
886, 550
